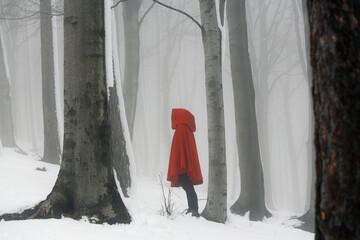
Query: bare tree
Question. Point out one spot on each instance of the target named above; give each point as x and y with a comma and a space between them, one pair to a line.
52, 153
85, 185
132, 24
252, 181
309, 217
335, 60
216, 205
6, 120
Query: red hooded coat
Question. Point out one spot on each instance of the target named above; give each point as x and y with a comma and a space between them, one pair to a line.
183, 156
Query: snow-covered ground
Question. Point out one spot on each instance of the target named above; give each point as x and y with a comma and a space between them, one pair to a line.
22, 186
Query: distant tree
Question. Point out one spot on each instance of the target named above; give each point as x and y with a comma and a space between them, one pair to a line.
6, 119
309, 217
216, 205
85, 185
52, 152
252, 181
132, 24
335, 60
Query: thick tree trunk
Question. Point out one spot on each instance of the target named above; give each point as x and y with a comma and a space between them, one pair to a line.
52, 153
335, 60
85, 185
252, 181
132, 59
216, 205
6, 120
120, 158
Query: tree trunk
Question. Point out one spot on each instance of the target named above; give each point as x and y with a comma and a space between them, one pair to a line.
6, 119
132, 59
335, 60
252, 181
309, 217
120, 158
52, 153
85, 185
216, 205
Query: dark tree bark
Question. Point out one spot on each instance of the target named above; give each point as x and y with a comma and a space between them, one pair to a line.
335, 60
6, 120
216, 205
85, 185
132, 59
52, 153
252, 181
120, 158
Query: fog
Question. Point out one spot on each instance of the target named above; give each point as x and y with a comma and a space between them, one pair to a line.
172, 75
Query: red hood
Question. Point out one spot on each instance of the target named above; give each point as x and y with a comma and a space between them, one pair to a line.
182, 116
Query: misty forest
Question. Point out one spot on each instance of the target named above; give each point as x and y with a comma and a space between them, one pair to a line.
88, 90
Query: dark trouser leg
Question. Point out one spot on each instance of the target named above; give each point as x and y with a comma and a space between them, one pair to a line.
190, 192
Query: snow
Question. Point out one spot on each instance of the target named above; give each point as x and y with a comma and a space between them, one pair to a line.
22, 186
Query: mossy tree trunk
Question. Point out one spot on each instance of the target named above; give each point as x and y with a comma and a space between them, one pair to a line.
335, 60
85, 185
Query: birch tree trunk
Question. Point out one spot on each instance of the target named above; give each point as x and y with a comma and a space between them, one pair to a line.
335, 60
52, 153
132, 59
6, 119
252, 181
85, 185
216, 205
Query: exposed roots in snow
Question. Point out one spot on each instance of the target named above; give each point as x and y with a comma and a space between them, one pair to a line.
256, 214
57, 205
52, 207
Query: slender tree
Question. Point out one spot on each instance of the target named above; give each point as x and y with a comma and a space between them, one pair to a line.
335, 60
132, 58
6, 120
309, 217
216, 205
85, 185
252, 181
52, 153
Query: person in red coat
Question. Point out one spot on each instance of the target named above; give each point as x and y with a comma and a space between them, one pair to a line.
184, 167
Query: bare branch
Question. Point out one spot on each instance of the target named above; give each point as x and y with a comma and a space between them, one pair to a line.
147, 11
118, 3
182, 12
31, 15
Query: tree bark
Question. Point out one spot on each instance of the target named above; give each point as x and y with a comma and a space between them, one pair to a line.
52, 153
335, 60
6, 119
252, 181
85, 185
216, 205
132, 59
120, 158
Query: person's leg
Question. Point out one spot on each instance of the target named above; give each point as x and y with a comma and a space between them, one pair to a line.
190, 192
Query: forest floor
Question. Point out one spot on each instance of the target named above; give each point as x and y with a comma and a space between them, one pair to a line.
24, 181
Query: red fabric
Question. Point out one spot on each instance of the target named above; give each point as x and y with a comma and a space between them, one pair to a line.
183, 156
